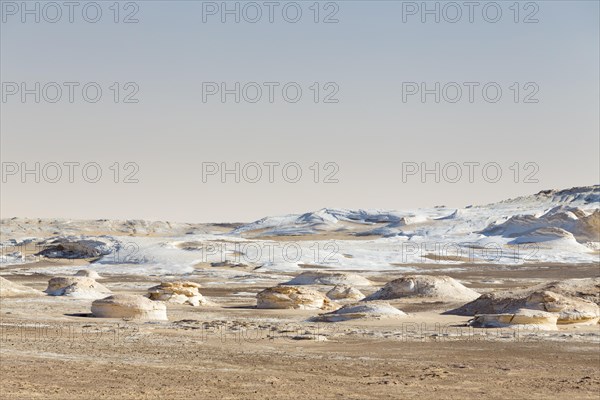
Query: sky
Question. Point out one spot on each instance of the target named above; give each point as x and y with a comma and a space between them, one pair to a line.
176, 111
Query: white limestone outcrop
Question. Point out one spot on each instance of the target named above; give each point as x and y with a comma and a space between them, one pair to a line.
294, 297
129, 306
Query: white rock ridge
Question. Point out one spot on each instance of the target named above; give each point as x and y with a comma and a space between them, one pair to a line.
129, 307
580, 224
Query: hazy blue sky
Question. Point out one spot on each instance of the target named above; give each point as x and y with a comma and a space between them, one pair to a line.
369, 133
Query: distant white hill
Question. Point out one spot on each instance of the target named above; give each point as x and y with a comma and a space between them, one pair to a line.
558, 226
574, 210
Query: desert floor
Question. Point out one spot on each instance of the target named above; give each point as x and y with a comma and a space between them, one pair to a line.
51, 348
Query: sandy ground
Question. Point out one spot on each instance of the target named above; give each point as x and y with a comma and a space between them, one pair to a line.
173, 365
51, 348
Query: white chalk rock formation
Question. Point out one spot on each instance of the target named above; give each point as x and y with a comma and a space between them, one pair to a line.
12, 289
129, 306
581, 288
76, 286
523, 318
179, 293
89, 273
492, 303
329, 278
583, 226
370, 310
343, 292
441, 288
74, 247
567, 309
292, 297
571, 300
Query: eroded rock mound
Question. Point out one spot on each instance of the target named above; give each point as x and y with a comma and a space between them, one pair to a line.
329, 278
441, 288
76, 286
491, 303
292, 297
519, 318
582, 288
12, 289
343, 292
589, 227
89, 273
179, 293
129, 306
542, 235
73, 247
568, 308
583, 226
373, 310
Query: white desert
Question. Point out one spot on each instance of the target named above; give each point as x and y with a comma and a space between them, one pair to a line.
497, 301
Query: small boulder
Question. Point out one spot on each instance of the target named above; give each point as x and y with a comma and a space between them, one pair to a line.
76, 286
179, 293
343, 292
130, 307
286, 297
